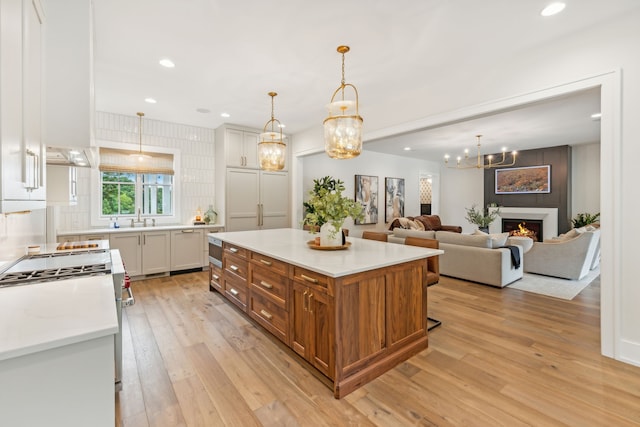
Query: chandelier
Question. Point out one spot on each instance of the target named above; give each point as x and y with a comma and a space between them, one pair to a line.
271, 148
343, 127
466, 163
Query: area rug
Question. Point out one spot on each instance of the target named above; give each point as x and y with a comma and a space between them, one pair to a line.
553, 286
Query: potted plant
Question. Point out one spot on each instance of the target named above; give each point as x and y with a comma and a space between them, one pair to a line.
327, 209
481, 218
583, 219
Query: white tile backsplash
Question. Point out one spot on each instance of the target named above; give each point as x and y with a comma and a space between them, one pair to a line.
196, 150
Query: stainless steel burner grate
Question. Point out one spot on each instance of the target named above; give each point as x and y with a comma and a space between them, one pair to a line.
53, 274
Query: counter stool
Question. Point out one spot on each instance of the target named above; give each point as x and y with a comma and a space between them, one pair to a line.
431, 270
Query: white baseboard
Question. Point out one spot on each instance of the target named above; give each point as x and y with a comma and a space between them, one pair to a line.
629, 352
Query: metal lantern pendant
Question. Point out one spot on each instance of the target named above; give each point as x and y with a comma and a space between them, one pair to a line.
271, 149
343, 127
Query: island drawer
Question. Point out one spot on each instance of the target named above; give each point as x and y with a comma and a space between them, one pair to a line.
271, 263
236, 290
235, 265
272, 317
215, 277
228, 248
271, 284
309, 277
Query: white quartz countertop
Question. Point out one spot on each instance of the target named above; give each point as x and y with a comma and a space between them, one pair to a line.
125, 228
48, 315
290, 245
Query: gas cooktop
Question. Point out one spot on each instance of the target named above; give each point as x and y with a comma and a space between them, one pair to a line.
51, 267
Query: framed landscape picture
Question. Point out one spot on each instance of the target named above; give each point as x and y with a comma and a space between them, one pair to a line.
393, 198
367, 195
524, 180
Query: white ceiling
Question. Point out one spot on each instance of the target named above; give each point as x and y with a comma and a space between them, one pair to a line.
229, 55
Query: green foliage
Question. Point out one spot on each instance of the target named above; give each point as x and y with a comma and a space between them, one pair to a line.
479, 217
583, 219
327, 204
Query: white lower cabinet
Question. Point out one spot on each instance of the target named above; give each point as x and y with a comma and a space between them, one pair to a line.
186, 249
143, 252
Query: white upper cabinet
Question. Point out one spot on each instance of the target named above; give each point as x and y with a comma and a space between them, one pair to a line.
22, 178
241, 148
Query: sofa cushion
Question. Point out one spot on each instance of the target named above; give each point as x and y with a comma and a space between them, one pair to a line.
423, 234
464, 239
431, 222
498, 240
571, 234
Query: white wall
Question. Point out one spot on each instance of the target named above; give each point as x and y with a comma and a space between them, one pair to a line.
19, 230
368, 163
585, 179
583, 56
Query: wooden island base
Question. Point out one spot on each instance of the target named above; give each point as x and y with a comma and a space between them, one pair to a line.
351, 328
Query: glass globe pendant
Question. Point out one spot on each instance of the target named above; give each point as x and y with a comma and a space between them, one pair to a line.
343, 127
272, 150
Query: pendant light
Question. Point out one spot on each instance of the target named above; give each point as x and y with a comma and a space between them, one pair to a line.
343, 127
140, 155
271, 149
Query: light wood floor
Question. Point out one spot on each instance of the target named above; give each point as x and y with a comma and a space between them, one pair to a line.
502, 357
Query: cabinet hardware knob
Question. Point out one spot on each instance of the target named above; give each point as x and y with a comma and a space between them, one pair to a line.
266, 314
265, 262
234, 292
309, 279
234, 250
215, 276
266, 285
234, 267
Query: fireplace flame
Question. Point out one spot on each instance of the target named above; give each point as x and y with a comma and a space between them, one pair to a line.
523, 231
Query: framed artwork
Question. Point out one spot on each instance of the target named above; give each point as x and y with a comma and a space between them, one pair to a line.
367, 195
393, 198
525, 180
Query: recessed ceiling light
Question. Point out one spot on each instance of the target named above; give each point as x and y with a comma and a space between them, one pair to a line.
407, 148
552, 9
166, 62
203, 110
596, 116
225, 115
150, 100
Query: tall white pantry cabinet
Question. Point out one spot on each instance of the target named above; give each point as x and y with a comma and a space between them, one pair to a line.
22, 166
246, 197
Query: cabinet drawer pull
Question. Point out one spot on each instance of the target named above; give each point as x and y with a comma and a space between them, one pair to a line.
304, 301
265, 262
311, 302
266, 314
234, 267
266, 285
188, 231
309, 279
215, 276
234, 292
234, 250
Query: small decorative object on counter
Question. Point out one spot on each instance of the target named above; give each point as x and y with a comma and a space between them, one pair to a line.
210, 215
198, 219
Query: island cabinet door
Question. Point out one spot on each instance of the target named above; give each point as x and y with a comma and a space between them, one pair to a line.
313, 328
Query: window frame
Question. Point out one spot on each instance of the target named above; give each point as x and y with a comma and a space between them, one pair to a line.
102, 221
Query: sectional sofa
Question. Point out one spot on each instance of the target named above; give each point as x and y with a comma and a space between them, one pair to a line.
477, 258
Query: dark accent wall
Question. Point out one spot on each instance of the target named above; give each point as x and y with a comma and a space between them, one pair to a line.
559, 158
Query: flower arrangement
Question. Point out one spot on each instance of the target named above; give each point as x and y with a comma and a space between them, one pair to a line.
479, 218
326, 204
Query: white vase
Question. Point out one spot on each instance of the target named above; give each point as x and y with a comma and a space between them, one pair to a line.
329, 236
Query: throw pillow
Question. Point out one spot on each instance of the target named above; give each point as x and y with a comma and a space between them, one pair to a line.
404, 222
498, 240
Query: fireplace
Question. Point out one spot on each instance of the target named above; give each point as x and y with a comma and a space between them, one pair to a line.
548, 216
532, 226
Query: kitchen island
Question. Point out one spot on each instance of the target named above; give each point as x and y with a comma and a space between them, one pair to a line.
56, 353
352, 314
